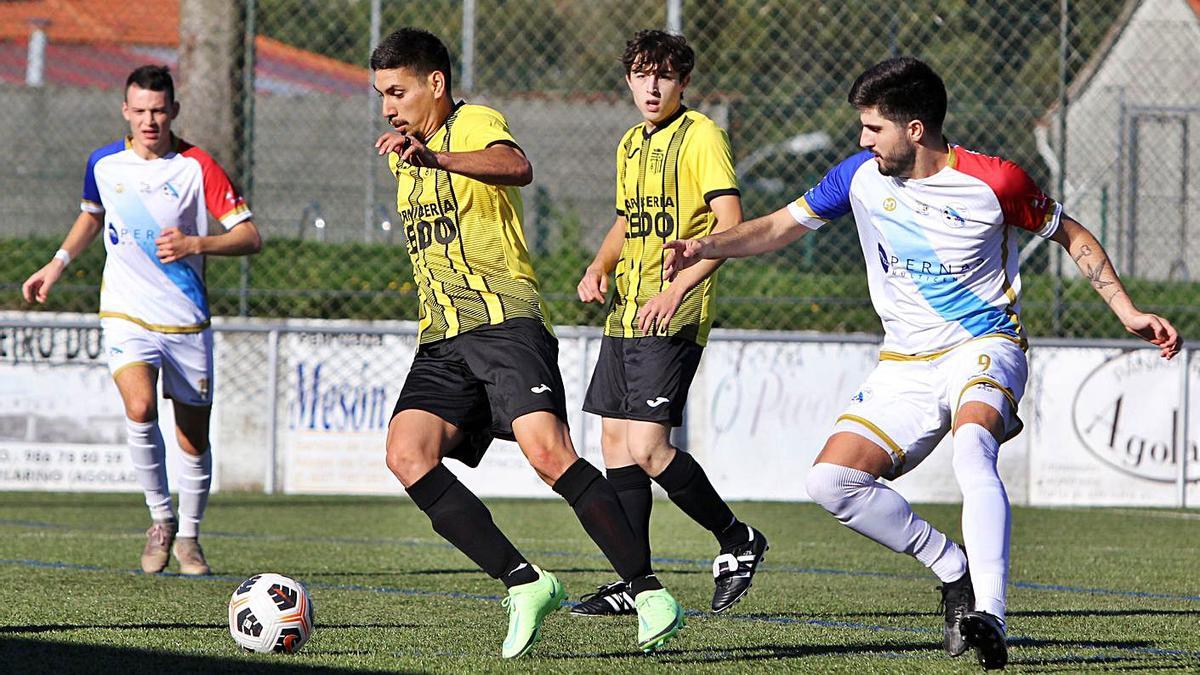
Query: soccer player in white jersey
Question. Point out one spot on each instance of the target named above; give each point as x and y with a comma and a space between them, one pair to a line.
937, 226
151, 195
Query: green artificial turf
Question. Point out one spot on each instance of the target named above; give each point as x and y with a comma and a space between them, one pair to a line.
1092, 589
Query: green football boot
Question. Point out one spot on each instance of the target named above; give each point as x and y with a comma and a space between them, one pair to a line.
528, 604
660, 617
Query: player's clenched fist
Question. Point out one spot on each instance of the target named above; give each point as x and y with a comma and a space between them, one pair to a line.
593, 286
682, 254
174, 245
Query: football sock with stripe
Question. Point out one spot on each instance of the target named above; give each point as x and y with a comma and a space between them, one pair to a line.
878, 512
599, 511
148, 453
458, 515
633, 490
688, 486
986, 516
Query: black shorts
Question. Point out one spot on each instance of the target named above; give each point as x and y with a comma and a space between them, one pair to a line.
484, 379
644, 379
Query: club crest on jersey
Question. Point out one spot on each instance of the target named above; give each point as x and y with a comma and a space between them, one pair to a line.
656, 160
889, 204
862, 395
955, 215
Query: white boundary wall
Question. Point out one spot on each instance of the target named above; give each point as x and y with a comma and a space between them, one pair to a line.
1102, 420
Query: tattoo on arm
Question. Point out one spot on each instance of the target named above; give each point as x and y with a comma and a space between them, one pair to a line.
1083, 253
1095, 275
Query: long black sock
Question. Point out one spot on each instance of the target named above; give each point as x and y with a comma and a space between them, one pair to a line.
599, 510
688, 486
633, 489
463, 520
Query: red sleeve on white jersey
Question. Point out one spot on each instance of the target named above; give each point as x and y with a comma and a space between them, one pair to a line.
1022, 201
220, 196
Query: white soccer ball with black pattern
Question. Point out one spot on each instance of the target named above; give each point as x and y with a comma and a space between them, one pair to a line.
271, 613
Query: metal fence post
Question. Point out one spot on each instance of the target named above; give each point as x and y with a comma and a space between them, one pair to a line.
675, 16
247, 158
1182, 425
370, 156
269, 485
1061, 179
468, 47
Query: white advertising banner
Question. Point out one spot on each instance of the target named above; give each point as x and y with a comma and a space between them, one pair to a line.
1106, 428
1101, 423
760, 412
62, 425
340, 392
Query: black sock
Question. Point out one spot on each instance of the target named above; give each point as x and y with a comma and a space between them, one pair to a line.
633, 489
599, 510
463, 520
687, 485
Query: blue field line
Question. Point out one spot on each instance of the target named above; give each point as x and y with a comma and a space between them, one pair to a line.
658, 560
1014, 640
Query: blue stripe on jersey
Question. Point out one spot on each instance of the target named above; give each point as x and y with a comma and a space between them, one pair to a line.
830, 198
90, 192
134, 215
945, 293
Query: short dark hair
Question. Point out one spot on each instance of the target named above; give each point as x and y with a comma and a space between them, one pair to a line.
418, 50
658, 50
903, 89
152, 78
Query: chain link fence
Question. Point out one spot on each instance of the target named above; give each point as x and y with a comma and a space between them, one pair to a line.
775, 73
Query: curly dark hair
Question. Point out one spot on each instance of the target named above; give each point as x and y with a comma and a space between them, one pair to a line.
656, 50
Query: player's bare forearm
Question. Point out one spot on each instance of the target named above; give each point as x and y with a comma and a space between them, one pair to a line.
753, 237
728, 209
1094, 263
1089, 255
242, 239
610, 250
496, 165
83, 233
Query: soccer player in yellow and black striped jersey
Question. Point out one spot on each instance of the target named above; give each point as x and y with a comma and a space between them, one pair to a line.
675, 180
487, 363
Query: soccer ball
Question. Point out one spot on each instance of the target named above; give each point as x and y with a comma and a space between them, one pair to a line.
271, 613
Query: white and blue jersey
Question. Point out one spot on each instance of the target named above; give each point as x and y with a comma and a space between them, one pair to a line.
139, 198
940, 251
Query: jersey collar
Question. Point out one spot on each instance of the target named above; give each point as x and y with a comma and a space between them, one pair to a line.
665, 123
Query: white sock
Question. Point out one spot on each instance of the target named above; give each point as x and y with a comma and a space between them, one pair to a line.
195, 481
878, 512
149, 456
986, 518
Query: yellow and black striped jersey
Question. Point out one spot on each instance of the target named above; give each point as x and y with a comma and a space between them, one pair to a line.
665, 181
465, 238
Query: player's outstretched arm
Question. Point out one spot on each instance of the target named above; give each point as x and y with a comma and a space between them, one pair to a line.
660, 308
594, 284
242, 239
83, 232
761, 235
1093, 261
498, 164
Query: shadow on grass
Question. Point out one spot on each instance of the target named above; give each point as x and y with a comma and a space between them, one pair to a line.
1142, 654
67, 627
63, 658
1042, 613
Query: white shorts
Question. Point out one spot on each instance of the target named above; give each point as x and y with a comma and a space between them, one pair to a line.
907, 406
184, 359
